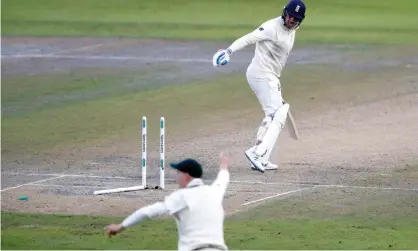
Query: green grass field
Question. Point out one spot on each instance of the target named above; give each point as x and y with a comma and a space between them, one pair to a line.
83, 121
339, 21
298, 223
24, 129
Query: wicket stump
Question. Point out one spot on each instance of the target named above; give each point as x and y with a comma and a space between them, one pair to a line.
144, 161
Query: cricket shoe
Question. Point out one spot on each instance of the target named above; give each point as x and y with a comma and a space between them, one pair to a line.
255, 160
267, 166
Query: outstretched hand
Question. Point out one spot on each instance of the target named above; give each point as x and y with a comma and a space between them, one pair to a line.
221, 57
114, 229
224, 161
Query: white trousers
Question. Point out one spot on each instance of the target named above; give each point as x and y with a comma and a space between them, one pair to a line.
269, 95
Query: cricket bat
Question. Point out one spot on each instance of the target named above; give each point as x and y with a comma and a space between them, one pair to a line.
291, 124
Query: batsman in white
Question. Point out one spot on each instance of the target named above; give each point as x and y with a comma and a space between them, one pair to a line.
196, 207
274, 40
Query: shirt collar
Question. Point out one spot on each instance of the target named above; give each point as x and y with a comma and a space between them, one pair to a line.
282, 23
195, 182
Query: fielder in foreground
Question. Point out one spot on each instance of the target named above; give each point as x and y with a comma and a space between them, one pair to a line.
196, 207
274, 40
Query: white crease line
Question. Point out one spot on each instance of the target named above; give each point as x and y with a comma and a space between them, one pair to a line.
99, 177
127, 178
191, 60
367, 187
274, 196
233, 192
71, 175
95, 187
274, 183
72, 186
31, 183
65, 186
78, 175
312, 184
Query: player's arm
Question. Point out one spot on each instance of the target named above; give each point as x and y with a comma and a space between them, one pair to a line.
172, 204
265, 32
222, 180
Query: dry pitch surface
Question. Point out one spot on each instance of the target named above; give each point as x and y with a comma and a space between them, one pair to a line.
359, 138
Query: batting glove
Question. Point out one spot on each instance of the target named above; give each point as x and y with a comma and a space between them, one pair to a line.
221, 57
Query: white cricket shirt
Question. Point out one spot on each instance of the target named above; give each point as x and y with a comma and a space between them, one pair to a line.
273, 45
198, 211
